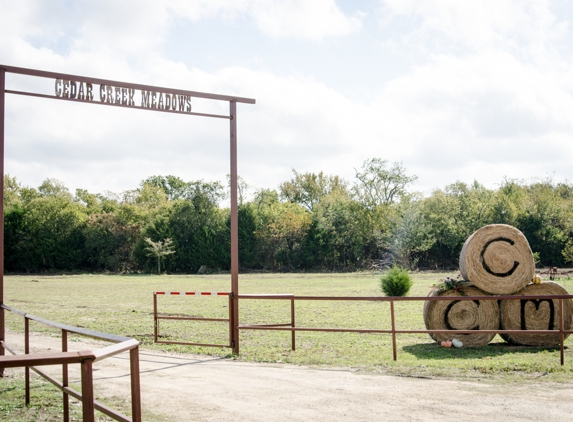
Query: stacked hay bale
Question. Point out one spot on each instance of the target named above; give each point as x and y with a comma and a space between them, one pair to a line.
462, 315
497, 260
536, 314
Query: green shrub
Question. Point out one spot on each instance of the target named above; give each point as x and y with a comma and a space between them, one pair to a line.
396, 281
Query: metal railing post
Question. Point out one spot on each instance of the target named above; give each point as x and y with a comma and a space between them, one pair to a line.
561, 333
2, 114
231, 313
85, 358
88, 408
155, 321
65, 380
234, 227
27, 351
395, 355
292, 324
135, 385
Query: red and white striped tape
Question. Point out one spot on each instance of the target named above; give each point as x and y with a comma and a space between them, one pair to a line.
192, 293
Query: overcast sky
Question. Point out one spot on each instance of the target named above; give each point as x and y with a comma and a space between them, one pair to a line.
455, 90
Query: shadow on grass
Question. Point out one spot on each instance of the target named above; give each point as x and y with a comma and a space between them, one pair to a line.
434, 351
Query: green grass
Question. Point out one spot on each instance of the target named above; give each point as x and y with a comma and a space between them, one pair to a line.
45, 400
123, 305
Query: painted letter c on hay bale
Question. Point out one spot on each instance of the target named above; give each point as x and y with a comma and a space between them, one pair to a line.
497, 259
462, 315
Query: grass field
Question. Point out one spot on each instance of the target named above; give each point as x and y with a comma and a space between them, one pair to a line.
123, 305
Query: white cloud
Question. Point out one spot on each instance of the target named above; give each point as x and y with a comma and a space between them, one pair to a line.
296, 123
489, 98
32, 18
127, 27
299, 19
314, 20
488, 93
480, 117
500, 24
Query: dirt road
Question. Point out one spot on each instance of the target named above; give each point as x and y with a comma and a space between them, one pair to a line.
199, 388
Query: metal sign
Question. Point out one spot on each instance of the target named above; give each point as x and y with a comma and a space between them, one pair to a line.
122, 94
117, 95
144, 97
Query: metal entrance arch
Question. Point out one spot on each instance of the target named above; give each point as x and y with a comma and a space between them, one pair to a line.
84, 89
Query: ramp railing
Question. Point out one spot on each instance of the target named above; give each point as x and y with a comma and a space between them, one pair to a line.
85, 359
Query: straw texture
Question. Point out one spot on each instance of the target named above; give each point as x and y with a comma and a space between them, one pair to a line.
497, 259
536, 314
462, 315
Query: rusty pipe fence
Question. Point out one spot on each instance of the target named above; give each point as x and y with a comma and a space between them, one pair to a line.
157, 317
393, 331
85, 358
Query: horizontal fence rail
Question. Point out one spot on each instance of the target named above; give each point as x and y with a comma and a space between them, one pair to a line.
157, 317
193, 293
393, 330
85, 358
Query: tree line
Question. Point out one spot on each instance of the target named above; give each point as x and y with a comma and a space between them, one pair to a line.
312, 222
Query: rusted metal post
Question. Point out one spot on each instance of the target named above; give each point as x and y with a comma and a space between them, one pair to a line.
234, 230
135, 385
2, 114
561, 333
65, 381
27, 351
88, 408
292, 324
393, 330
155, 321
231, 331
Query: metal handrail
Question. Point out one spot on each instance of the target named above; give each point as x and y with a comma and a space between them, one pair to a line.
85, 358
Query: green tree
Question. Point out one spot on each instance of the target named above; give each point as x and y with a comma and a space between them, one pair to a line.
412, 236
159, 249
54, 235
54, 187
452, 215
344, 234
109, 242
546, 220
281, 229
89, 200
12, 190
248, 246
308, 189
378, 184
173, 187
242, 189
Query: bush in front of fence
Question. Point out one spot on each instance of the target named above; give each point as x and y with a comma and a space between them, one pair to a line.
396, 281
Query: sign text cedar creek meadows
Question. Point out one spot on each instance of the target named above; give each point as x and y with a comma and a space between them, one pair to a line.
123, 96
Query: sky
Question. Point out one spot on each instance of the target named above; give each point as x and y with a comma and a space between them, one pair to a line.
454, 90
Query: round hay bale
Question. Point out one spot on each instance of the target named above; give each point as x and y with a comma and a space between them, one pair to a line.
462, 315
497, 259
536, 314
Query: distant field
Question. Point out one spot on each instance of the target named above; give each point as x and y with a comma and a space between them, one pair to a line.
123, 305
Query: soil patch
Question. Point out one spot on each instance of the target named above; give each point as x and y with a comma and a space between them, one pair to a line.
178, 387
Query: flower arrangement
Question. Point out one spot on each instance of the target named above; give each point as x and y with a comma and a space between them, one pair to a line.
452, 283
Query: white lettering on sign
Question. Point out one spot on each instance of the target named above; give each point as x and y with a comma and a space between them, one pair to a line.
74, 90
118, 95
165, 101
